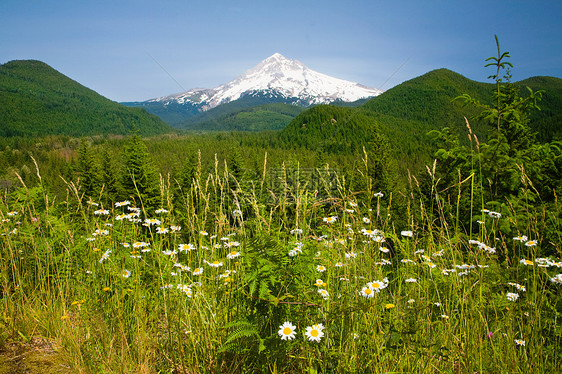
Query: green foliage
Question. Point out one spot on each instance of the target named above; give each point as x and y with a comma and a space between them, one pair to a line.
229, 117
36, 100
139, 176
511, 168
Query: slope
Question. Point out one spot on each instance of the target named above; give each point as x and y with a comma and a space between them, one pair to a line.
228, 117
37, 100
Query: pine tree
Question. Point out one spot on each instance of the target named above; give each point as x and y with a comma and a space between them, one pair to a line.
87, 170
139, 178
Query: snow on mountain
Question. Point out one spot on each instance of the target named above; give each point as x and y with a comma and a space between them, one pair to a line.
277, 76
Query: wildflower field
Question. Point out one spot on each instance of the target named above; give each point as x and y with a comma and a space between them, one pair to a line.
278, 262
225, 278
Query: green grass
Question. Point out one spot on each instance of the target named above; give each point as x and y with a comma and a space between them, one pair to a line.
78, 274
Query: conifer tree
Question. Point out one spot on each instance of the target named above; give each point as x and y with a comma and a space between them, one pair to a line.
87, 170
139, 178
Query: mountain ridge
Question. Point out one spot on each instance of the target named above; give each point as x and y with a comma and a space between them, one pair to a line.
37, 100
275, 79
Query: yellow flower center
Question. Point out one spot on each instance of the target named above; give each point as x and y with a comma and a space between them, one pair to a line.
368, 291
233, 253
376, 285
287, 331
314, 333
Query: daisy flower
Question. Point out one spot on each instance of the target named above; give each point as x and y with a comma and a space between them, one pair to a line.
366, 220
521, 238
324, 293
105, 256
557, 279
100, 232
378, 195
319, 283
518, 286
411, 280
160, 211
321, 268
526, 262
214, 264
151, 222
314, 332
287, 331
198, 271
186, 247
384, 249
125, 273
338, 264
331, 219
531, 243
407, 233
233, 255
377, 285
122, 203
512, 296
187, 290
162, 230
378, 239
101, 212
520, 342
495, 214
367, 292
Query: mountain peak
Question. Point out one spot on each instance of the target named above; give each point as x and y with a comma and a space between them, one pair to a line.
281, 77
276, 56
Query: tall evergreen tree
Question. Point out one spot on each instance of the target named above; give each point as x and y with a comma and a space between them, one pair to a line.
139, 178
87, 171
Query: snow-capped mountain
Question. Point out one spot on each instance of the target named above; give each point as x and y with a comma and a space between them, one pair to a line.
277, 77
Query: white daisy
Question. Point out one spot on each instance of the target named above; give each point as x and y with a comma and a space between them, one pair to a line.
287, 331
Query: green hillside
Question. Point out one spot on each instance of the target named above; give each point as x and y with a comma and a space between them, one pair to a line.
256, 118
427, 101
547, 121
37, 100
407, 112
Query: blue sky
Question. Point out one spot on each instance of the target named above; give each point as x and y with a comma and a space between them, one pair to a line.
129, 50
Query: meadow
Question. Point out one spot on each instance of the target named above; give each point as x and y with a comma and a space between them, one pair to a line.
329, 247
284, 275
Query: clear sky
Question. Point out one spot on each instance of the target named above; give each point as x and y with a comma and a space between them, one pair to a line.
136, 50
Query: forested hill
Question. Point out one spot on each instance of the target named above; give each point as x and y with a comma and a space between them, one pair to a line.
37, 100
547, 122
406, 113
427, 102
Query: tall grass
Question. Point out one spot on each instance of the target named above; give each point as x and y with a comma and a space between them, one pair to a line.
204, 283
